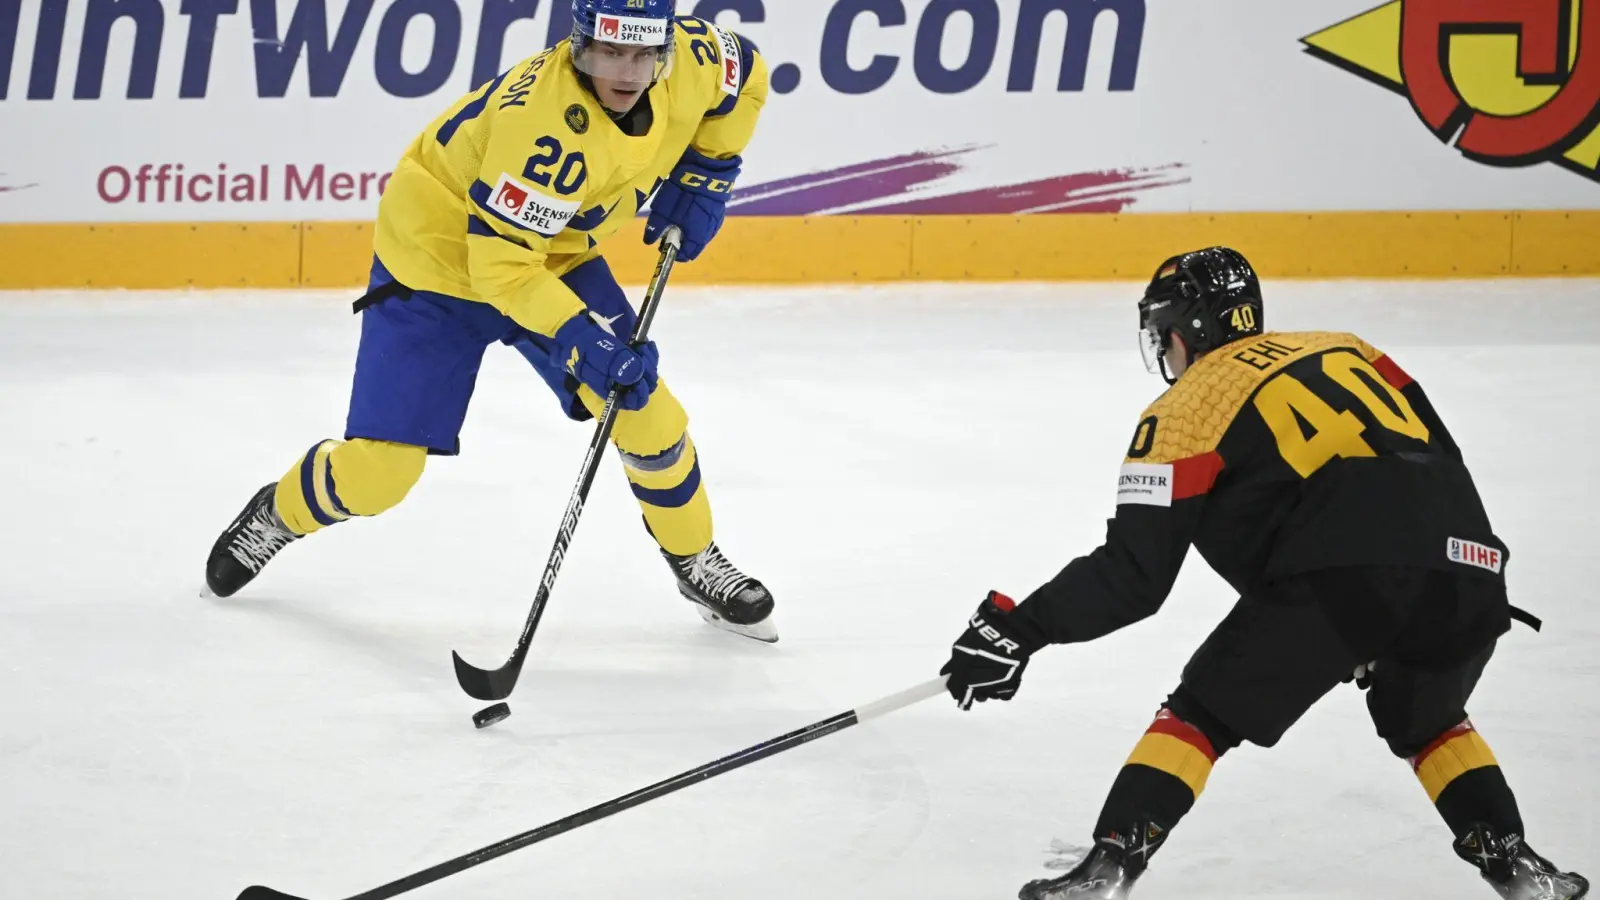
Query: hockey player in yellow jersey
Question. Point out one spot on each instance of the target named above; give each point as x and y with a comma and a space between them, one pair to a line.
489, 232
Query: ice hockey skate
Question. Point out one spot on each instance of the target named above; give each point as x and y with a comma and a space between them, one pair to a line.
725, 596
1104, 874
1515, 871
247, 545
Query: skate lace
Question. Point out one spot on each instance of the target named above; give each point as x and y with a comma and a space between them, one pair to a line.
718, 577
259, 540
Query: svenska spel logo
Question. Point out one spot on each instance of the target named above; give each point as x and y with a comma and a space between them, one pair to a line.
510, 197
1507, 82
626, 30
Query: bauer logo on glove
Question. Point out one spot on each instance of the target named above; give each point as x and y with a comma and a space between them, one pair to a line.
992, 635
987, 661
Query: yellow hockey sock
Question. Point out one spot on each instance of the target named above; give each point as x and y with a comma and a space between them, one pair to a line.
663, 470
339, 479
667, 485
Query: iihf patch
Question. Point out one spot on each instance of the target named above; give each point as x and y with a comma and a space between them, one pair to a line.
577, 118
1472, 553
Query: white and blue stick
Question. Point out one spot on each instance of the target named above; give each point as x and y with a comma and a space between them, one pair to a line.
830, 725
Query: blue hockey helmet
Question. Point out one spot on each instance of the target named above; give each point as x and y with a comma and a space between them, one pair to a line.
623, 40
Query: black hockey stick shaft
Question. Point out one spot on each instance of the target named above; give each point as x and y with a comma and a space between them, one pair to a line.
497, 684
830, 725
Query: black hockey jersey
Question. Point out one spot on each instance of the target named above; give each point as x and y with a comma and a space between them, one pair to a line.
1273, 456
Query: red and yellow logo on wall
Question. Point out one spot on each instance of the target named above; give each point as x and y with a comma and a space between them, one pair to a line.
1508, 82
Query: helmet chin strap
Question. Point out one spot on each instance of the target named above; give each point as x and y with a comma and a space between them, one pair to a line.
1166, 371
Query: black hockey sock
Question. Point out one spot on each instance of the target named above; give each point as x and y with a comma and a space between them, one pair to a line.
1465, 783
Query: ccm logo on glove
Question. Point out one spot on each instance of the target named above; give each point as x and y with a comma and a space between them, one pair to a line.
604, 363
715, 185
695, 198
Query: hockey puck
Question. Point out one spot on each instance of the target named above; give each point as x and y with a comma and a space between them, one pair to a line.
489, 715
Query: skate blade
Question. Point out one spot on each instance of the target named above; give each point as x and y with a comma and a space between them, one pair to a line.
765, 630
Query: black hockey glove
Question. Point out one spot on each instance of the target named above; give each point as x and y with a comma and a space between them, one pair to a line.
986, 662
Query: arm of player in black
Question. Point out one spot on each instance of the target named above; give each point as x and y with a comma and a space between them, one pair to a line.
1125, 580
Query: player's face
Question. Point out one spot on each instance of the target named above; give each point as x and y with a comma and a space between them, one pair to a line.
619, 96
1177, 355
621, 74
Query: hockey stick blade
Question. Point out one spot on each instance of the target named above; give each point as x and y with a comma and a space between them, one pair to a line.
497, 684
488, 684
257, 892
783, 743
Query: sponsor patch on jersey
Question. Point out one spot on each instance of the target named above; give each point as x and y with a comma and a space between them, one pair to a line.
1472, 553
529, 208
732, 63
629, 30
1145, 484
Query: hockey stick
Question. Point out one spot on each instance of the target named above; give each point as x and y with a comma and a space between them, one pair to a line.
497, 684
773, 747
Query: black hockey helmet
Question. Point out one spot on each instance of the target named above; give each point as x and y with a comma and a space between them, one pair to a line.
1209, 297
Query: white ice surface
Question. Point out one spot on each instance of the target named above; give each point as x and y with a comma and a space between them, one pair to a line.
879, 456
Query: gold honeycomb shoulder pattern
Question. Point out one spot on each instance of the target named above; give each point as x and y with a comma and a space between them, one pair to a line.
1194, 414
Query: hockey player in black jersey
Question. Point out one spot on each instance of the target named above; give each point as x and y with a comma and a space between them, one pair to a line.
1314, 476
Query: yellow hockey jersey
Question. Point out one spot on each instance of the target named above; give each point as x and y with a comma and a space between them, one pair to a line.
516, 183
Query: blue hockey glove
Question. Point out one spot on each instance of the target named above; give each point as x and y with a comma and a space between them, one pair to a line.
604, 361
694, 198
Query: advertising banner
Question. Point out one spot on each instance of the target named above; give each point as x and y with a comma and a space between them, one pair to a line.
295, 110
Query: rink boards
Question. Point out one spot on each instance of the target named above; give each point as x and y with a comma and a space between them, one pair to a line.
824, 249
220, 144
